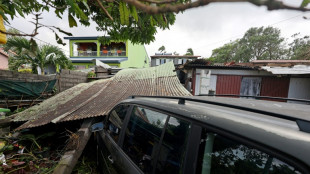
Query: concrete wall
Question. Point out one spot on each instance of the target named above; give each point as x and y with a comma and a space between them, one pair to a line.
66, 79
70, 78
299, 88
137, 56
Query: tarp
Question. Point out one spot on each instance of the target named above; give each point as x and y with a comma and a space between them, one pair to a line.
9, 88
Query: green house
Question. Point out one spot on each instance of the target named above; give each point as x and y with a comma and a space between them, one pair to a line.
118, 54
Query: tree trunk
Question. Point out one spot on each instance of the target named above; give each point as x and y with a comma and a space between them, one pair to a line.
42, 71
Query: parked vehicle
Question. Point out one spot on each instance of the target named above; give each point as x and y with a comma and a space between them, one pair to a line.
204, 135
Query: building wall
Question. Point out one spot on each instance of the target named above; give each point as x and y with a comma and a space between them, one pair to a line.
137, 56
228, 84
299, 88
4, 64
275, 86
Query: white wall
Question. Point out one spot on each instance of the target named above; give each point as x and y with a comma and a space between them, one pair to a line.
236, 72
299, 88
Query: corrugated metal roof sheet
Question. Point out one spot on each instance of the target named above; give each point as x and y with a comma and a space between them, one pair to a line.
281, 61
297, 69
99, 97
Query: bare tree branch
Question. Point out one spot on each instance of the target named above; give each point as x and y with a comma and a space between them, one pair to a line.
159, 2
35, 31
168, 7
105, 10
57, 8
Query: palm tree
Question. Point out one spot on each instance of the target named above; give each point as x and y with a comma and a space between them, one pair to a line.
28, 52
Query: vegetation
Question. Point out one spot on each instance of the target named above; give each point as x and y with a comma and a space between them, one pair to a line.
26, 52
189, 51
262, 44
162, 49
137, 20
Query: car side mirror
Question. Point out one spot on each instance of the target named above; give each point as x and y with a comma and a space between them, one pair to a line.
97, 127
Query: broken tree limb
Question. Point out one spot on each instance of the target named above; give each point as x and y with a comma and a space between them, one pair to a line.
70, 158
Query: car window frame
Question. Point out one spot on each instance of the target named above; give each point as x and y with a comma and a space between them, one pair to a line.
189, 142
124, 125
257, 145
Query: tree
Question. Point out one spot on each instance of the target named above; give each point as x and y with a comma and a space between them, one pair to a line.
256, 44
136, 20
162, 49
189, 51
262, 43
37, 56
299, 47
226, 53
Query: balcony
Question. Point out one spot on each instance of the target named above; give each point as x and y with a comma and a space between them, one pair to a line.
94, 49
112, 53
85, 53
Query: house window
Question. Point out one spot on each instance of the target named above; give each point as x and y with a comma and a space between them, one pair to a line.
157, 62
162, 61
179, 61
250, 86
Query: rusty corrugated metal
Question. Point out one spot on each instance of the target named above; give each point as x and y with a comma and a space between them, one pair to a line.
101, 96
275, 87
227, 84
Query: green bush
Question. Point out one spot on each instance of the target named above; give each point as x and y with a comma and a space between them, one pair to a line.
91, 74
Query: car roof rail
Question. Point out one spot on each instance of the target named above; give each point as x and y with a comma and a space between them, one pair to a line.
257, 97
303, 125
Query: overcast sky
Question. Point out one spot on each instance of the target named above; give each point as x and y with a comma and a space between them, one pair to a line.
202, 29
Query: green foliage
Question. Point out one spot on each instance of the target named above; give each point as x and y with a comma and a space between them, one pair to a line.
28, 52
91, 74
128, 22
256, 44
162, 49
299, 48
305, 3
189, 51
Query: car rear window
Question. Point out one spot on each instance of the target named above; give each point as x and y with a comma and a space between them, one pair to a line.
219, 154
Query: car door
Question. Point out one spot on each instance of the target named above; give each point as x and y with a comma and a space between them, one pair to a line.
154, 142
108, 149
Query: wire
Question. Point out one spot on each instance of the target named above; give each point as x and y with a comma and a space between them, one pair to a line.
216, 42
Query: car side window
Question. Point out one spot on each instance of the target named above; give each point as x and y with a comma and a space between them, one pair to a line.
219, 154
116, 119
173, 148
142, 136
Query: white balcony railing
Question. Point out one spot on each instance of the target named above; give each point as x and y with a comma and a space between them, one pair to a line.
102, 53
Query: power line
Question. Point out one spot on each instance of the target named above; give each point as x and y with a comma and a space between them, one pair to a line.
216, 42
36, 38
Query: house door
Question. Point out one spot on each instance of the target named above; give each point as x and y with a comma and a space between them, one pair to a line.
250, 86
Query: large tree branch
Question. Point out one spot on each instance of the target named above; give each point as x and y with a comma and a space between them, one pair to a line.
270, 4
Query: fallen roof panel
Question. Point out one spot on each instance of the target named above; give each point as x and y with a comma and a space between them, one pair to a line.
297, 69
99, 97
